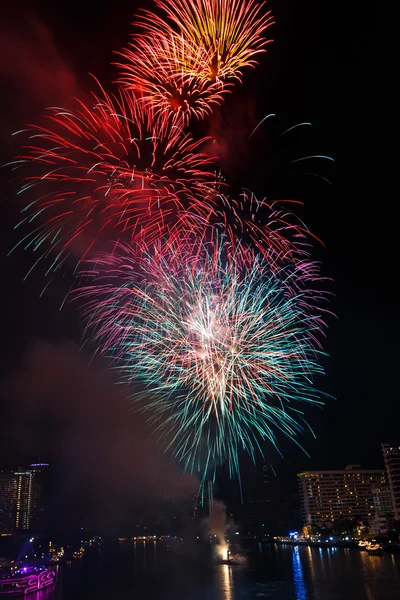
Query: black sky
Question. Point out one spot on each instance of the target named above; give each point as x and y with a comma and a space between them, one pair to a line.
321, 68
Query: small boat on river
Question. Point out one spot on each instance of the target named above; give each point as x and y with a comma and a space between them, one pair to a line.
26, 579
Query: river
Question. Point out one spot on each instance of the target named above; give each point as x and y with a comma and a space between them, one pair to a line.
157, 571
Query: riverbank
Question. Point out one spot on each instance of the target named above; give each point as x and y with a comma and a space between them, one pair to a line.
386, 547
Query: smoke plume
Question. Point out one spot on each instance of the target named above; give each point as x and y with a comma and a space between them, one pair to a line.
216, 526
73, 415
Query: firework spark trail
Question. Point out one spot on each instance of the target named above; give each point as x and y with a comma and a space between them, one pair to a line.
270, 228
101, 172
225, 353
245, 225
230, 31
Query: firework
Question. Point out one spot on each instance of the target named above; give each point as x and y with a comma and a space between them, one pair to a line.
166, 74
224, 354
102, 172
231, 32
208, 303
269, 228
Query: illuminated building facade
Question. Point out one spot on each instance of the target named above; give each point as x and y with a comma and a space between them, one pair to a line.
21, 501
8, 496
23, 506
328, 496
391, 455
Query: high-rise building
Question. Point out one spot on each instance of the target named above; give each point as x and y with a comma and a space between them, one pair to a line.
391, 455
21, 498
39, 487
382, 501
254, 509
382, 498
8, 497
23, 509
328, 496
210, 496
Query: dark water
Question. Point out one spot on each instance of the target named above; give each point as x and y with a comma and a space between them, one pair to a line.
153, 571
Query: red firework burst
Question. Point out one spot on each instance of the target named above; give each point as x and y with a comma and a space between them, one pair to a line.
104, 171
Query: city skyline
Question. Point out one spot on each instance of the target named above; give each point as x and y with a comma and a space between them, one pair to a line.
326, 498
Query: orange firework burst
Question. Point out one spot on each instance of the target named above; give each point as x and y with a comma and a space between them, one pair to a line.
166, 72
231, 32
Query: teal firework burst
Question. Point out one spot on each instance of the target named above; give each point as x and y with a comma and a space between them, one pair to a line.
221, 356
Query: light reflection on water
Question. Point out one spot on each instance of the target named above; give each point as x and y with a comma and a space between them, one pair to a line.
301, 592
156, 571
341, 573
47, 594
227, 582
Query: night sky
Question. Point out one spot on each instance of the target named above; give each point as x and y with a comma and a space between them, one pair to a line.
320, 69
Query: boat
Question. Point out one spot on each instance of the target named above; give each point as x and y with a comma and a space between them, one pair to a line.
227, 561
26, 579
374, 548
231, 559
78, 553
